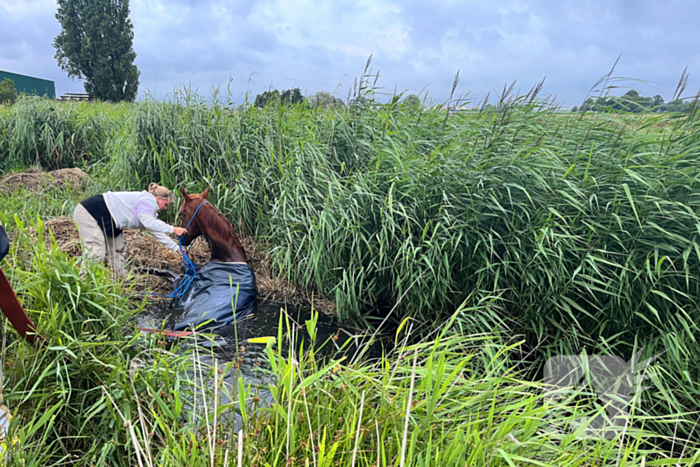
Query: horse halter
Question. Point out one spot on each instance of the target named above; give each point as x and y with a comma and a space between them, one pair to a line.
190, 271
195, 213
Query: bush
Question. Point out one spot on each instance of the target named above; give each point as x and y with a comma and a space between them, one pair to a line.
8, 93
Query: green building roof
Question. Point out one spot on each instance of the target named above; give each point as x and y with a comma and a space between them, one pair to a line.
30, 85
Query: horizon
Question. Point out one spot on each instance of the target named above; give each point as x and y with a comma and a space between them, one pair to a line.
416, 48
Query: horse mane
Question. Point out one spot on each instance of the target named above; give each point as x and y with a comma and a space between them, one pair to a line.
218, 224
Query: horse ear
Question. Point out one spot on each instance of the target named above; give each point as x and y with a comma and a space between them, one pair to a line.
184, 194
205, 193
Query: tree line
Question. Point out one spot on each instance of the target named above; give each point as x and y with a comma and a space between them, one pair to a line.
632, 102
322, 99
294, 96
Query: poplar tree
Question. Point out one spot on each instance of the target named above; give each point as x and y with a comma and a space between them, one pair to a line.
96, 44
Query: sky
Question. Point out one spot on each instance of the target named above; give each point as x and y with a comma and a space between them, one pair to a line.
416, 46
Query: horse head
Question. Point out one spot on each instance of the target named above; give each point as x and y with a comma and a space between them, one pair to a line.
188, 210
207, 221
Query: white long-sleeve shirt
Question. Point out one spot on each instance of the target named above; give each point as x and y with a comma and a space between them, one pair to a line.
138, 210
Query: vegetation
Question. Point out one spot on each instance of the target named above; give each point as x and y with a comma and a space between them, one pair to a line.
287, 97
96, 44
323, 99
8, 93
38, 132
633, 102
412, 100
578, 232
100, 393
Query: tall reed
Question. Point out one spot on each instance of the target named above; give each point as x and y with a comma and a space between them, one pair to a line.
578, 231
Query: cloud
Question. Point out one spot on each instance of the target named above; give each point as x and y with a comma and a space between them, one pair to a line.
323, 45
353, 29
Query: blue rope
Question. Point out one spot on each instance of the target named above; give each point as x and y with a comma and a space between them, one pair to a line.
195, 213
188, 265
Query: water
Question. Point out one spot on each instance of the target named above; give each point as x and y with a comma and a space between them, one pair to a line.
230, 343
263, 322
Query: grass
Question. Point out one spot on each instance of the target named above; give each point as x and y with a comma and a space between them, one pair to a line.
101, 394
578, 233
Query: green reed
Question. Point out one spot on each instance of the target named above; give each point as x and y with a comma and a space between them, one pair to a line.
579, 232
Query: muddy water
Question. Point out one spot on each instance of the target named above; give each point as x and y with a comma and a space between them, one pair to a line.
263, 322
230, 343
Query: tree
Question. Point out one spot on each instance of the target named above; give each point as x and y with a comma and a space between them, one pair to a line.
586, 106
292, 96
600, 104
96, 44
412, 101
574, 109
267, 97
8, 93
273, 97
632, 101
412, 104
677, 106
323, 99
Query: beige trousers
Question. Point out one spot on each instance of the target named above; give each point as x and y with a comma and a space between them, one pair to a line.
96, 244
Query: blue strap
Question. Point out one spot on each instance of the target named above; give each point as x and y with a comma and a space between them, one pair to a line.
188, 265
195, 213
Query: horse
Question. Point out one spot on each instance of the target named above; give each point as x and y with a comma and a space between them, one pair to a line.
217, 230
224, 289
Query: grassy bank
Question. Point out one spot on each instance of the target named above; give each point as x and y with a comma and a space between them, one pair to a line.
102, 394
580, 233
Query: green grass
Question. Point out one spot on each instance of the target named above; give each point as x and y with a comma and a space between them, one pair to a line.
99, 394
578, 233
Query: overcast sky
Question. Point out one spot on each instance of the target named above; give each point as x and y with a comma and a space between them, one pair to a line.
417, 45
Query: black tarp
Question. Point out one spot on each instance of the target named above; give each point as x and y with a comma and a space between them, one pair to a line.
216, 291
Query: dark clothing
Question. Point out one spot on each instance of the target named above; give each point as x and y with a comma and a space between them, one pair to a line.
4, 243
97, 208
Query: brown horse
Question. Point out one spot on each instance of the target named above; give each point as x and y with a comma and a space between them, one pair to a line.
217, 230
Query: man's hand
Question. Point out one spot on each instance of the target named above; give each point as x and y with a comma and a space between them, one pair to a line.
179, 231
